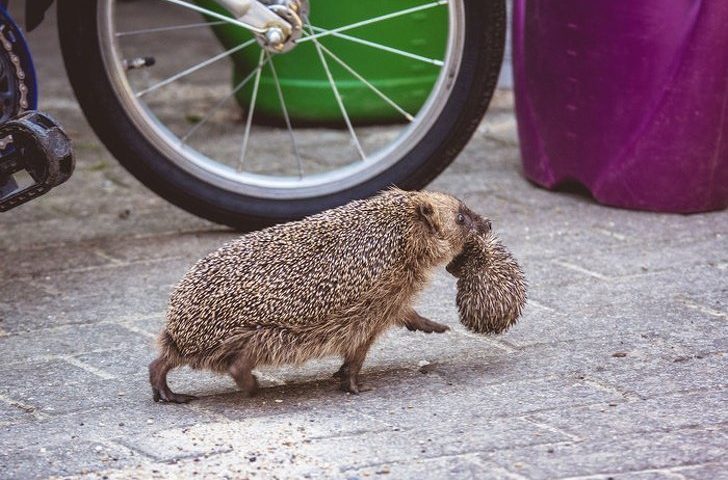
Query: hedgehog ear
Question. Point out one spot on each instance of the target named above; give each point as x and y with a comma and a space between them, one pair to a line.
427, 214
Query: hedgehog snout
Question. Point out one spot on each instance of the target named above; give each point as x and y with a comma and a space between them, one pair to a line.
481, 225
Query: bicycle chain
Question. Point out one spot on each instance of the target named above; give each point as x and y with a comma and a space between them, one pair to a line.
20, 78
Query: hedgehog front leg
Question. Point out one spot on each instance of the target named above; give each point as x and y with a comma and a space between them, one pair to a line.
349, 371
414, 321
241, 371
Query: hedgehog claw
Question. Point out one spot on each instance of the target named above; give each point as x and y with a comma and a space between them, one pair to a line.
428, 326
171, 397
357, 390
416, 322
349, 385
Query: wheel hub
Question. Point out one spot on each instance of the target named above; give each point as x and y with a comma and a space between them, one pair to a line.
278, 39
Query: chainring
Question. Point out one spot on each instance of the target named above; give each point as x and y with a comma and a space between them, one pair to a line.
18, 87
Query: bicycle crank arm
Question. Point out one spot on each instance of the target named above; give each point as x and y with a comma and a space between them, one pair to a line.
36, 156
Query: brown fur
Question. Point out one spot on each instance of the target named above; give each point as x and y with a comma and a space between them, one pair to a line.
326, 285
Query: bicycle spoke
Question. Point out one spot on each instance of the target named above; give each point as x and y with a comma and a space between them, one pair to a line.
373, 20
219, 104
251, 109
167, 29
286, 117
354, 138
213, 14
194, 68
379, 46
381, 95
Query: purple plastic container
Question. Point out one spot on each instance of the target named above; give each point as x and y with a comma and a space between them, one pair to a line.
628, 98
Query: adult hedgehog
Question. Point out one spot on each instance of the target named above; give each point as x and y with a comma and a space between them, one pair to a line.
325, 285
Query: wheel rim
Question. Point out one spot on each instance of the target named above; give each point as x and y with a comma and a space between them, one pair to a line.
226, 174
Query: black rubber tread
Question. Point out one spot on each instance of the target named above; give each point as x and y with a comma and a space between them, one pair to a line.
485, 22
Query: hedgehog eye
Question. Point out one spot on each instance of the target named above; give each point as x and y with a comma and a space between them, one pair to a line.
460, 219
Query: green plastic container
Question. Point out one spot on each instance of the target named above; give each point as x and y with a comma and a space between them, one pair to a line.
306, 89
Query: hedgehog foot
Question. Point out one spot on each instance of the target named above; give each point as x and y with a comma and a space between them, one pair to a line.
241, 371
349, 371
169, 396
348, 383
161, 392
416, 322
351, 385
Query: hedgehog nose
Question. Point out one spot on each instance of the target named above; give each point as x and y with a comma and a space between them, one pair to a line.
482, 225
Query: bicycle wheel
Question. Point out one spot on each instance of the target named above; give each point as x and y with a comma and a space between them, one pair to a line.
182, 127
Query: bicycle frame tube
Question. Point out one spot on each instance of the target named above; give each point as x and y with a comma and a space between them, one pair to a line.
34, 12
249, 14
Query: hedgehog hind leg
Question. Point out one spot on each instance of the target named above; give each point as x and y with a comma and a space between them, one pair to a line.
349, 371
241, 369
158, 370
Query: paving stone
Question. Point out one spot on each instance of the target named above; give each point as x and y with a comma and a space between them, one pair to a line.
665, 413
620, 454
61, 459
57, 260
636, 261
10, 412
657, 318
64, 340
628, 367
66, 230
381, 448
659, 377
134, 290
250, 435
461, 466
53, 387
643, 475
715, 471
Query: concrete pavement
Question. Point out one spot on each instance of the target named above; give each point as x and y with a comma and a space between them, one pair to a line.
617, 370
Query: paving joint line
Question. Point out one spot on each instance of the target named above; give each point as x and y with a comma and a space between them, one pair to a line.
697, 465
667, 471
112, 259
552, 428
499, 344
86, 367
26, 407
607, 387
114, 238
582, 270
53, 356
464, 454
497, 469
702, 308
137, 330
540, 305
47, 289
29, 278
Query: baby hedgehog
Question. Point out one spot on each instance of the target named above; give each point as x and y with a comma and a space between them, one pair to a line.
325, 285
491, 285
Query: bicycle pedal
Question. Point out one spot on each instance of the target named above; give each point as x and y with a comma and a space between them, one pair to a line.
35, 156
